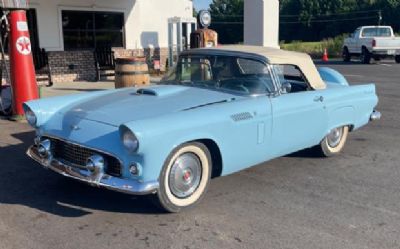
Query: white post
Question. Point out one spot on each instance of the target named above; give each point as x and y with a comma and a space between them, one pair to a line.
261, 23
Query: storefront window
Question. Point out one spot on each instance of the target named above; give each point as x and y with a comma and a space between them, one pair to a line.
89, 30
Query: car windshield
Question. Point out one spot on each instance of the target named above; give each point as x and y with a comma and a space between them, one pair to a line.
222, 73
376, 32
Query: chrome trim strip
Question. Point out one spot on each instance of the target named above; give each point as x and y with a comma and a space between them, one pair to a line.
375, 116
128, 186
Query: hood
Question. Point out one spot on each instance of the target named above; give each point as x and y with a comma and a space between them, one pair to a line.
130, 104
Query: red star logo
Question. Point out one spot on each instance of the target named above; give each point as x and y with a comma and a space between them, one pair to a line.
25, 45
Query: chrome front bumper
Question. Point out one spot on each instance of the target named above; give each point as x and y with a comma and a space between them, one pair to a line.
375, 116
97, 179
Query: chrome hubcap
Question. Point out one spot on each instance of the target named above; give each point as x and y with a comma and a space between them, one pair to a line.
185, 175
334, 137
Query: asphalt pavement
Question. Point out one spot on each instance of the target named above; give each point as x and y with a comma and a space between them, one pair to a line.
297, 201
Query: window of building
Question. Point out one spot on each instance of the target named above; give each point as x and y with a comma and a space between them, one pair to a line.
90, 29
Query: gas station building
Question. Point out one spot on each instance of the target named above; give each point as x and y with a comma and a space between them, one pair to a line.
70, 30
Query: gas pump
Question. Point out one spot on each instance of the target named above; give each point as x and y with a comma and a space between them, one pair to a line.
204, 37
22, 72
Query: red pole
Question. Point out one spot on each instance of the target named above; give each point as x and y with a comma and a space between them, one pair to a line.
23, 78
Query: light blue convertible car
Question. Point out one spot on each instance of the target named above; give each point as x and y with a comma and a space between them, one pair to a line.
220, 110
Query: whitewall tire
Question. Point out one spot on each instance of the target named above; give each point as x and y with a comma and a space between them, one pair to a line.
334, 142
185, 177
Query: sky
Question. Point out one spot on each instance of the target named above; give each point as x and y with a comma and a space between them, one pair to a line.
201, 4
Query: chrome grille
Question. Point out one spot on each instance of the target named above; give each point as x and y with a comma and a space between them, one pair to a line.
77, 155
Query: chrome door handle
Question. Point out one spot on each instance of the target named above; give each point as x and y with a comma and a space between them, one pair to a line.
319, 99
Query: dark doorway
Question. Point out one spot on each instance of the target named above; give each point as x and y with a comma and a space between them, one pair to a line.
33, 28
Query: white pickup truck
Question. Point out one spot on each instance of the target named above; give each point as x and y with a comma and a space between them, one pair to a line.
372, 42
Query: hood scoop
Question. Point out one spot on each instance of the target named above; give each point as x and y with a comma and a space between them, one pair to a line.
160, 91
145, 91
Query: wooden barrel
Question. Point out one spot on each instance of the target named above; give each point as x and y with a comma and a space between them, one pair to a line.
130, 72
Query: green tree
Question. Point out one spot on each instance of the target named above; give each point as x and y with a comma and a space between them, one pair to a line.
227, 20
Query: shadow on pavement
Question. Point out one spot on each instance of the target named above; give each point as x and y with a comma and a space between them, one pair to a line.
306, 153
24, 182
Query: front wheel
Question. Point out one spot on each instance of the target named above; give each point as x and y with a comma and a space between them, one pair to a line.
334, 142
397, 58
365, 56
346, 55
185, 177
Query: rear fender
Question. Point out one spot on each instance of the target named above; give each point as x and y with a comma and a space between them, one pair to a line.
343, 116
330, 75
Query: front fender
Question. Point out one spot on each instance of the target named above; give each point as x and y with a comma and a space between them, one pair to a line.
159, 136
45, 108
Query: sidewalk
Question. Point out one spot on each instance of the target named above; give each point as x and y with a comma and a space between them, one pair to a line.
59, 89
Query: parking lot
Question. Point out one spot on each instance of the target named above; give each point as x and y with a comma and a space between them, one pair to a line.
297, 201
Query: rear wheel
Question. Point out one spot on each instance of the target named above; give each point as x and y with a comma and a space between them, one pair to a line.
346, 54
185, 177
397, 58
365, 56
334, 142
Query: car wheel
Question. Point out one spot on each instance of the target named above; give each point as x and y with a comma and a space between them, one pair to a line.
365, 56
334, 142
346, 55
185, 177
397, 58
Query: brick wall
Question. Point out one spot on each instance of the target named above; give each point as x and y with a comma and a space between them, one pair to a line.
68, 66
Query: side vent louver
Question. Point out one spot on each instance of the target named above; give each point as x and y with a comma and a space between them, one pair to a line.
241, 116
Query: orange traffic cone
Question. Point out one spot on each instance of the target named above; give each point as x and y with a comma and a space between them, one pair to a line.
325, 56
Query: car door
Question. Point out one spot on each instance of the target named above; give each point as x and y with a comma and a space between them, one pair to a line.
299, 117
352, 42
359, 40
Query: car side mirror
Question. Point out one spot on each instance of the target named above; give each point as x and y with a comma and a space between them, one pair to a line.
286, 87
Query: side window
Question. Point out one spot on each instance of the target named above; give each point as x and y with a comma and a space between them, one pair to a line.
291, 78
355, 34
243, 75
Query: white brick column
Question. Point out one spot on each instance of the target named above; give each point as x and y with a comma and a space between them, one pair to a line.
261, 23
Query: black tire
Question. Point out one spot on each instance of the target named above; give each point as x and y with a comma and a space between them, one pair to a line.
365, 56
346, 54
170, 201
327, 148
397, 58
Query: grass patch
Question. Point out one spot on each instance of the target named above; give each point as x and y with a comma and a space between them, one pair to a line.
316, 49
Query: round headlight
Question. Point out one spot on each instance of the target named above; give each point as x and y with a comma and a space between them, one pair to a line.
130, 141
31, 117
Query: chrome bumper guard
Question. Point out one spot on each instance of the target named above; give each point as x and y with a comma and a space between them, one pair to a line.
375, 116
96, 179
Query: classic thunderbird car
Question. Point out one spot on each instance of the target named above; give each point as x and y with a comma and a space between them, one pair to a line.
219, 111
